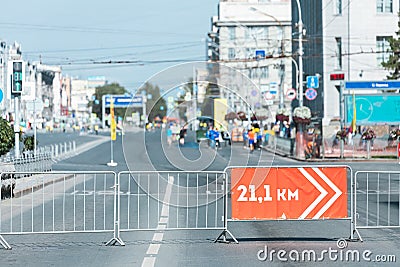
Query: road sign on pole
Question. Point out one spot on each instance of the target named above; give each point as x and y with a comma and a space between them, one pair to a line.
123, 101
291, 94
311, 94
289, 193
312, 82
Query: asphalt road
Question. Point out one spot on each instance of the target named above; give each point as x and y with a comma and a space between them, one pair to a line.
144, 208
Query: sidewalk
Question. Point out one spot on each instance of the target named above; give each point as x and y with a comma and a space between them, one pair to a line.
37, 181
328, 159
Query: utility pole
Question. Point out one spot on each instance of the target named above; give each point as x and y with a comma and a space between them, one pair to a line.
282, 76
194, 98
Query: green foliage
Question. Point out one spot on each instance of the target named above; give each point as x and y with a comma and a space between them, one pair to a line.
154, 104
29, 143
6, 137
393, 62
108, 89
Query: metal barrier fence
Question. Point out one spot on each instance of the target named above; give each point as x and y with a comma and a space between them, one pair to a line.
328, 195
59, 202
169, 200
377, 196
71, 202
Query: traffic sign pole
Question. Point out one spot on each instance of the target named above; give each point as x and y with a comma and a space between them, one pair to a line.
113, 134
16, 126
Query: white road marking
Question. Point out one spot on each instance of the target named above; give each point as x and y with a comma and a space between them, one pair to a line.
153, 249
158, 237
161, 227
162, 224
163, 220
148, 262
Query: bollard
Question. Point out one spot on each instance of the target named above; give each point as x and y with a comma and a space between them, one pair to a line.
65, 148
74, 145
70, 146
56, 146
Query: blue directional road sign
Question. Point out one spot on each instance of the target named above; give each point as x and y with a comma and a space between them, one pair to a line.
1, 95
377, 85
312, 82
260, 54
124, 101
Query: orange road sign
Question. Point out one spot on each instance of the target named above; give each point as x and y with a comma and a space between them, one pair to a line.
289, 193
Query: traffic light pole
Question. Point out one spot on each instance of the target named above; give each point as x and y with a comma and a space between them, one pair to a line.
16, 126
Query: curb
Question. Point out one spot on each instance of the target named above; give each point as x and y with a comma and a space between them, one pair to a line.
40, 186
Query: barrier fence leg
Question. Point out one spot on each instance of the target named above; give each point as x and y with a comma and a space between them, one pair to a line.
117, 238
4, 243
353, 204
222, 235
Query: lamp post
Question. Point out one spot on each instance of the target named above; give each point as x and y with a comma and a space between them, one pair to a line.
300, 25
299, 135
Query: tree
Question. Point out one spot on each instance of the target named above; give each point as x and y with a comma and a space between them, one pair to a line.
108, 89
393, 62
6, 137
156, 105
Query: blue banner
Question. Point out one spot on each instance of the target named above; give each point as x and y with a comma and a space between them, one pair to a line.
377, 85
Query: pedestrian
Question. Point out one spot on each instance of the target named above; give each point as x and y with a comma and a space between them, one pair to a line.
251, 136
217, 138
169, 136
245, 138
182, 133
211, 136
259, 140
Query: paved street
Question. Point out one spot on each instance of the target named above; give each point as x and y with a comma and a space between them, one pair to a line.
87, 198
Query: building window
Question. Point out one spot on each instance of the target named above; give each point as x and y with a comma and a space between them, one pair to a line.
338, 7
232, 33
338, 53
382, 49
231, 53
384, 6
256, 33
264, 72
250, 52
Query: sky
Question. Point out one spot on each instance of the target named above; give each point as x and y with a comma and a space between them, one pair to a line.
78, 35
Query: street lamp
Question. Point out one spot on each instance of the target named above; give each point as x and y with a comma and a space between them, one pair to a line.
300, 25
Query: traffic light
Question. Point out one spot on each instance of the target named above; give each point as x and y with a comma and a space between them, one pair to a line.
17, 77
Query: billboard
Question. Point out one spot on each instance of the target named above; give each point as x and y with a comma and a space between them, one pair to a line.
289, 193
373, 109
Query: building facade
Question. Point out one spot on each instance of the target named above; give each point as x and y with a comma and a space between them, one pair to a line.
347, 37
81, 94
252, 40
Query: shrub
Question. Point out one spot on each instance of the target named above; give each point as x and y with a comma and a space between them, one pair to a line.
6, 137
29, 143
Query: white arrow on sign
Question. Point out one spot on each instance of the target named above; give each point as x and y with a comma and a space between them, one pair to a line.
323, 193
318, 199
338, 193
